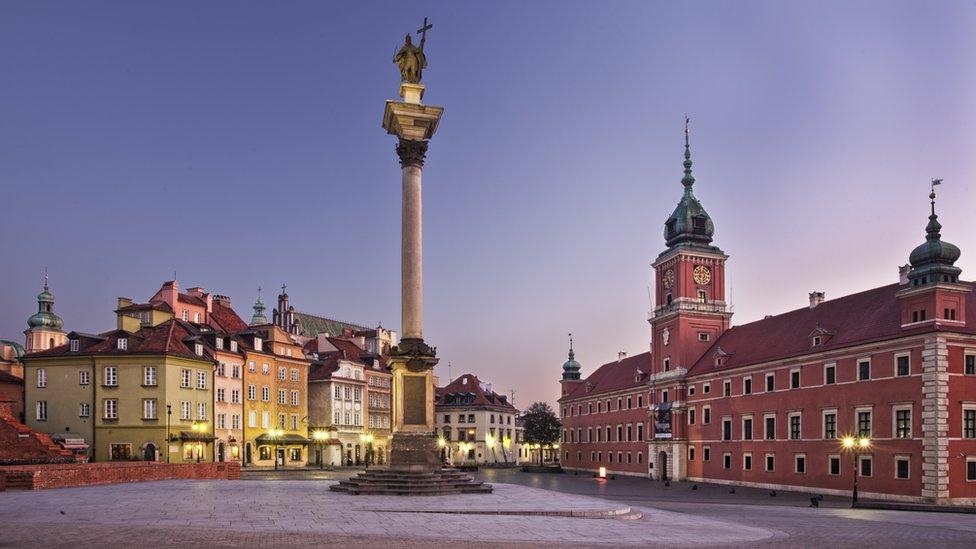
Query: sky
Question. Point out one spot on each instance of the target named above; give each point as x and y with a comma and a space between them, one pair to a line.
239, 144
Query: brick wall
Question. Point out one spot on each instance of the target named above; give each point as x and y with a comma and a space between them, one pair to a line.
87, 474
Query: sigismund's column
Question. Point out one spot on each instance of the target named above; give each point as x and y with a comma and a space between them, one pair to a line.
414, 443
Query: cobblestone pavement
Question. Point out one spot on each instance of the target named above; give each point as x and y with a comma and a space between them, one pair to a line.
274, 511
222, 513
788, 515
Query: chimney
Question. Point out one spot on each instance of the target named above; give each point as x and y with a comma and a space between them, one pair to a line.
903, 274
222, 299
621, 355
816, 298
123, 302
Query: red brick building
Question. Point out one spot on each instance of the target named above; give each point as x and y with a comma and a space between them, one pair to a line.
767, 403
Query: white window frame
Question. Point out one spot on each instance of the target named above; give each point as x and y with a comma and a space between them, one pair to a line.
857, 368
745, 456
894, 421
111, 408
201, 411
186, 379
706, 388
828, 366
727, 460
201, 379
861, 458
122, 343
40, 410
84, 377
185, 410
894, 364
149, 376
840, 465
84, 409
823, 423
111, 376
765, 430
706, 415
766, 462
799, 378
749, 380
796, 460
727, 387
857, 420
766, 382
752, 434
41, 378
149, 409
970, 406
901, 457
789, 425
73, 345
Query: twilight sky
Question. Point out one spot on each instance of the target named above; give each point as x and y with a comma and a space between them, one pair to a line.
240, 145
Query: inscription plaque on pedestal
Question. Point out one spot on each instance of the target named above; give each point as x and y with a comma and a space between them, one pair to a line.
415, 400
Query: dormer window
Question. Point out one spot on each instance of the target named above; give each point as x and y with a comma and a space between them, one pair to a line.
198, 349
233, 346
73, 345
670, 225
186, 315
718, 361
122, 343
196, 318
257, 344
698, 224
219, 343
817, 341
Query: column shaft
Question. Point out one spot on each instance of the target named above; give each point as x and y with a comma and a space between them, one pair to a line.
412, 255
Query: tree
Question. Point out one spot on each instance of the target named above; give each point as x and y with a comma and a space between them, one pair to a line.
541, 426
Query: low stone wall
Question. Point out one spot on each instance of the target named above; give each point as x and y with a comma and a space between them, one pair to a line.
62, 475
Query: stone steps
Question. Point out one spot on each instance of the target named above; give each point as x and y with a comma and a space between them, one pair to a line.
393, 482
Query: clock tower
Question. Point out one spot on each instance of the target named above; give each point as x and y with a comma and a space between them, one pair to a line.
690, 311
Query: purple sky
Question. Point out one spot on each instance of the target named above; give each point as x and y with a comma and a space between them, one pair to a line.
240, 145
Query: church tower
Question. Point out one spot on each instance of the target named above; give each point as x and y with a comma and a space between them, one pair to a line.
690, 311
933, 294
258, 318
283, 315
571, 370
44, 330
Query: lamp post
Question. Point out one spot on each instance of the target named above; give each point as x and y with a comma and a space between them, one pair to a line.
274, 435
367, 439
169, 412
855, 445
320, 436
199, 427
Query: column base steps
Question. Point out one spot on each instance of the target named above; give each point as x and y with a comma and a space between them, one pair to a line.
438, 482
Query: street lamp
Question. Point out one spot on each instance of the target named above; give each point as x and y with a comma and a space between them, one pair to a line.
855, 445
320, 436
199, 427
367, 439
274, 434
169, 412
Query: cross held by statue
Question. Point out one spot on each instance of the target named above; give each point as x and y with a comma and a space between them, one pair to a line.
422, 31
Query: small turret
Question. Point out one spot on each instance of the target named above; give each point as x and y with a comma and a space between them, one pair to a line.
44, 327
258, 318
571, 368
934, 260
689, 224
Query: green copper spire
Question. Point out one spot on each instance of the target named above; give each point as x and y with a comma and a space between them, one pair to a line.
689, 224
45, 317
934, 260
258, 318
571, 369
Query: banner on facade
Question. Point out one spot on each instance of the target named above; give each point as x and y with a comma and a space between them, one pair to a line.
662, 422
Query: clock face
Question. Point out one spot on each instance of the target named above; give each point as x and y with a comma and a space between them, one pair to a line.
669, 278
702, 275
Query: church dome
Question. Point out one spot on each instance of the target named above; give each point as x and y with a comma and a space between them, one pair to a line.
571, 368
45, 318
934, 260
689, 223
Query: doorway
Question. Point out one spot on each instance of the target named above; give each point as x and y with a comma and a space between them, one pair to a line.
220, 451
663, 461
247, 453
149, 454
281, 456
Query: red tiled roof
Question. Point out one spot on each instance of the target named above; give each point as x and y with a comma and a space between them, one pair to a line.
164, 338
858, 318
226, 318
613, 376
7, 377
192, 300
325, 369
469, 383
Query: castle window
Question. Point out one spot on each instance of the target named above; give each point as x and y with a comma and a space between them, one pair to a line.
667, 364
669, 299
970, 367
670, 226
698, 224
702, 298
703, 336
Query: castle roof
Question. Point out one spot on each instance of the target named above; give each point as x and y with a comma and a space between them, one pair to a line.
613, 376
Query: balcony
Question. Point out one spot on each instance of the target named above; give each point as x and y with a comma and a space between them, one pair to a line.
690, 305
670, 375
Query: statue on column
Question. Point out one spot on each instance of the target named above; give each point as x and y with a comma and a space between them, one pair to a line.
410, 58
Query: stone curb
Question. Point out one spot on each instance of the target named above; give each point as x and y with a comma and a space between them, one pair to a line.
625, 512
919, 507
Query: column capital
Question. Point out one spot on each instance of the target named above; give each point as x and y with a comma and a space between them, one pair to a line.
411, 152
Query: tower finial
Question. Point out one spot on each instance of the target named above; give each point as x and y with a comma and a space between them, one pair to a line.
45, 279
688, 180
571, 353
